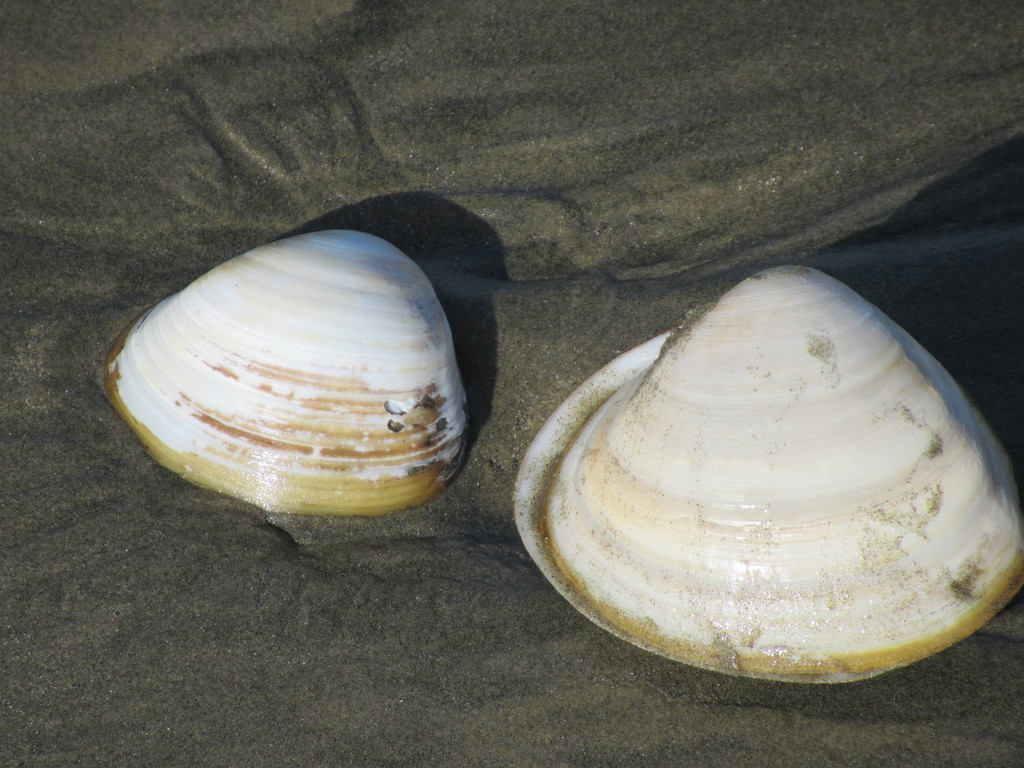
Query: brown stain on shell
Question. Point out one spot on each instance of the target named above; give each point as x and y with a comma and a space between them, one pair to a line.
256, 439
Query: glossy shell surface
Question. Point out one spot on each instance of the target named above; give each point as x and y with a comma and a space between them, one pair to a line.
315, 374
790, 488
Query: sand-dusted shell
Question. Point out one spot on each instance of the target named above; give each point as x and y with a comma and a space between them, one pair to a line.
315, 374
790, 487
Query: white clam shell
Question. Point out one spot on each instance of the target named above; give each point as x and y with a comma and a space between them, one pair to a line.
315, 374
790, 488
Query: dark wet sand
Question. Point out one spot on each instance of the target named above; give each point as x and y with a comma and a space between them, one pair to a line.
573, 179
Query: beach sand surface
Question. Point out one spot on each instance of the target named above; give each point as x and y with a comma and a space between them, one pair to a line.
573, 178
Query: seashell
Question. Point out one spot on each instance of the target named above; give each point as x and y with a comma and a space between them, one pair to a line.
315, 374
788, 488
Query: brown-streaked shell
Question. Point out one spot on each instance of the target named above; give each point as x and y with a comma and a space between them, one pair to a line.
315, 374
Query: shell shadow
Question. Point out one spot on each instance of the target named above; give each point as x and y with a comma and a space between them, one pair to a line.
988, 191
465, 261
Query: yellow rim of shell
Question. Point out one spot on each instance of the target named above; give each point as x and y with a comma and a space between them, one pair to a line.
836, 668
332, 494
